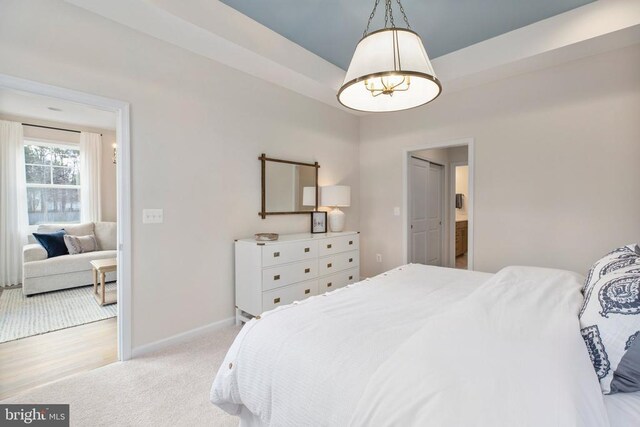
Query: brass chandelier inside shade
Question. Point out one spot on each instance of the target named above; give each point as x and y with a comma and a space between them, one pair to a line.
390, 69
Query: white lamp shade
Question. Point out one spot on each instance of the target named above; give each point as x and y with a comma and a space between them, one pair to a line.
308, 196
336, 196
389, 53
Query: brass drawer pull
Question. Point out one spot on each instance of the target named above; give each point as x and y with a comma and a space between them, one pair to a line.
307, 249
329, 284
276, 300
350, 277
350, 259
351, 242
307, 291
329, 246
306, 270
276, 277
329, 265
276, 254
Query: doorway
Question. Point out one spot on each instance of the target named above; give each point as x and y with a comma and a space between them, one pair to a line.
460, 188
49, 142
438, 201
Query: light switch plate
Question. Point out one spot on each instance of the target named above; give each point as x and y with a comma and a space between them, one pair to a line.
396, 211
152, 216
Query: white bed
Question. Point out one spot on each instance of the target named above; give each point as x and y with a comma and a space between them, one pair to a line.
422, 345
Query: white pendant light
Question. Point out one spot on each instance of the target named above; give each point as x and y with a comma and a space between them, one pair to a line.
390, 69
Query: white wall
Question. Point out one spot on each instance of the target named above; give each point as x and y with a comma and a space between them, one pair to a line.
556, 157
108, 202
197, 130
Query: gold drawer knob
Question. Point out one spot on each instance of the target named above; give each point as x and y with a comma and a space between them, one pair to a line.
350, 259
351, 242
276, 300
276, 277
329, 284
306, 270
307, 249
329, 246
307, 291
329, 265
276, 254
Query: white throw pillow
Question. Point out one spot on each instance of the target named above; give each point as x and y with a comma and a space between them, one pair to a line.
610, 322
80, 244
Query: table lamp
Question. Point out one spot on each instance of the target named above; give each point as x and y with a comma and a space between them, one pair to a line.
336, 196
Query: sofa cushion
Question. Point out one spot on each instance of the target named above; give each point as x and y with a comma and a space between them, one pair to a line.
84, 229
53, 243
106, 235
65, 264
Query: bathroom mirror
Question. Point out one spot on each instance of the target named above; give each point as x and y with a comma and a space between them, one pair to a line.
288, 187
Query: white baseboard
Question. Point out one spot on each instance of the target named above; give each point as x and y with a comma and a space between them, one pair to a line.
181, 337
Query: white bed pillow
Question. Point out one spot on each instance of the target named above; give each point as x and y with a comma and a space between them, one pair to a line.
610, 323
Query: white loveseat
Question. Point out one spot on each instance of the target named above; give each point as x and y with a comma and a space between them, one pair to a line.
42, 274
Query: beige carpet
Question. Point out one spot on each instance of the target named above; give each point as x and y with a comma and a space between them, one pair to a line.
167, 388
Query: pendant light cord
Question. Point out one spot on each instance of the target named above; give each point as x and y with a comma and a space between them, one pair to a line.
388, 15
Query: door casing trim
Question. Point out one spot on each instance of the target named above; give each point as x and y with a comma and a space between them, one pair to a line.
469, 142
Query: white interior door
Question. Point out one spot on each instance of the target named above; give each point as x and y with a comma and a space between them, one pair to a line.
434, 214
426, 193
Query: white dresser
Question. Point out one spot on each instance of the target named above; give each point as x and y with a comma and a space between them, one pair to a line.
296, 266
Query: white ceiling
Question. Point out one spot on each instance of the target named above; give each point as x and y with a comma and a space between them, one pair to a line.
36, 107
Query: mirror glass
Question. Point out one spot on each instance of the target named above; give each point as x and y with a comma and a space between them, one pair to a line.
289, 187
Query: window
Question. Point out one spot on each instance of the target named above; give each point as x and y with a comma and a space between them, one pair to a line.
53, 182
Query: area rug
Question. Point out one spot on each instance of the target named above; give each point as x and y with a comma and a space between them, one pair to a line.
22, 316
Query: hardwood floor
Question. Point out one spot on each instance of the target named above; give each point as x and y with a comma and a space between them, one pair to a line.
461, 261
38, 360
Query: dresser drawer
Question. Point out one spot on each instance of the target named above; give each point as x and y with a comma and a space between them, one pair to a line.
288, 252
288, 294
334, 245
338, 280
338, 262
283, 275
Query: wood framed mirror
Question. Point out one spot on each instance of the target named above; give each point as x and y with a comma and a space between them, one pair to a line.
288, 187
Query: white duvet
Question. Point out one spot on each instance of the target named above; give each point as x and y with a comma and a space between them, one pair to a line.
419, 346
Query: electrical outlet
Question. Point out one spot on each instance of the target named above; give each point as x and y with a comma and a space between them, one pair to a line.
396, 211
379, 257
152, 216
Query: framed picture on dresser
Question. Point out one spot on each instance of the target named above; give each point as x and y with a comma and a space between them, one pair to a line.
318, 222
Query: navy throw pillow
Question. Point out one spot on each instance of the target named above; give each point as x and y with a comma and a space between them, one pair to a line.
53, 243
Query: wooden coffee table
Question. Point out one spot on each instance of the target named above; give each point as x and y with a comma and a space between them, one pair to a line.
102, 267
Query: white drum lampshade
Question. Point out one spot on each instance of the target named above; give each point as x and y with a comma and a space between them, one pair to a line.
336, 196
389, 71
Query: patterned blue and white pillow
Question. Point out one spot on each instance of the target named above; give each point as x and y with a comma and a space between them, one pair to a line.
610, 326
622, 257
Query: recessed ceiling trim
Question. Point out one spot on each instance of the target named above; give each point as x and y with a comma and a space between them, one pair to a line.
216, 31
